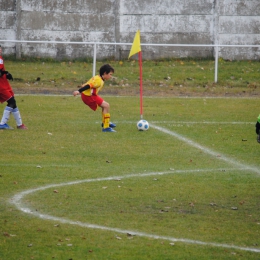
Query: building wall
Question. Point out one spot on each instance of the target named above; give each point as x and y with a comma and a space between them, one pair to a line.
239, 23
160, 21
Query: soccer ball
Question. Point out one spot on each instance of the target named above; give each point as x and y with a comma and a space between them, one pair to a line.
142, 125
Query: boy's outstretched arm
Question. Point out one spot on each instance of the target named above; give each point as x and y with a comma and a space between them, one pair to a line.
77, 92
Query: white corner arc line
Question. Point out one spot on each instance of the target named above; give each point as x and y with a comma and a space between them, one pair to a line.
206, 150
17, 201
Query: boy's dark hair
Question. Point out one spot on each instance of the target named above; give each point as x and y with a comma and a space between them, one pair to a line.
105, 69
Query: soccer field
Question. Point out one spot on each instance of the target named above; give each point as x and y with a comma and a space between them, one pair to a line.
188, 188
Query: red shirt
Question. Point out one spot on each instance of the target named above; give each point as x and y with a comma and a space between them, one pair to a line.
2, 67
6, 91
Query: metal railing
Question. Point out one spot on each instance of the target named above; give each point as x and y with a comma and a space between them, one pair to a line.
215, 46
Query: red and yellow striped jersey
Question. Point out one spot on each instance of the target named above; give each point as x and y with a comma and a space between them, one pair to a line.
96, 83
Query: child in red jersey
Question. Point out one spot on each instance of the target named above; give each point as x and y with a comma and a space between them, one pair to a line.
89, 95
7, 95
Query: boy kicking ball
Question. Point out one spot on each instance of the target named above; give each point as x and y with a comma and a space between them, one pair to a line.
89, 95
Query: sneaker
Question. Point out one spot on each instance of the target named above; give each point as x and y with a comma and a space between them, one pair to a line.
112, 125
258, 138
6, 126
109, 129
22, 127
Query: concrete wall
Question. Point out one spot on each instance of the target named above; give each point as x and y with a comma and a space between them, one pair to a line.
160, 21
239, 23
167, 21
7, 20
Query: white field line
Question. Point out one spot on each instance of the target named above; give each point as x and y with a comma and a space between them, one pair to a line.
206, 150
203, 122
41, 165
17, 201
186, 122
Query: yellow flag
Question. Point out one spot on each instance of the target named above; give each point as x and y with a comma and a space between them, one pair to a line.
136, 46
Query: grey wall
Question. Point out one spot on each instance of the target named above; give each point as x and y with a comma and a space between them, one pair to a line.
160, 21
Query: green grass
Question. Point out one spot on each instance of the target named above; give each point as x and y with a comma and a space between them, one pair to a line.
167, 77
193, 199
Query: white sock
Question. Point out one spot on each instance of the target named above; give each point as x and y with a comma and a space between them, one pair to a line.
6, 115
17, 116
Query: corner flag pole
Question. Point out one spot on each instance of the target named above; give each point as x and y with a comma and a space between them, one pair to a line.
141, 83
136, 48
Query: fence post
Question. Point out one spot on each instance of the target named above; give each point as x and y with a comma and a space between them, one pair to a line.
18, 29
94, 60
216, 63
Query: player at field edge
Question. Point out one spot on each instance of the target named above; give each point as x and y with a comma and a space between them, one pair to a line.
7, 95
257, 129
89, 95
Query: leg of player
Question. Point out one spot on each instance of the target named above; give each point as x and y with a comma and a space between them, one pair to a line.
107, 126
5, 118
18, 119
257, 130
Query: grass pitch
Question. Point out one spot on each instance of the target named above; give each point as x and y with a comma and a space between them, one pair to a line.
175, 77
188, 188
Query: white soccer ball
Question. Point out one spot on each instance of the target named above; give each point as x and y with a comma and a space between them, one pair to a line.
142, 125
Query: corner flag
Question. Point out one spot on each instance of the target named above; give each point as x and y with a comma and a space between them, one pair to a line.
136, 46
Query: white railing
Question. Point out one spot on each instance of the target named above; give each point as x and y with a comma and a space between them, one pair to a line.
215, 46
